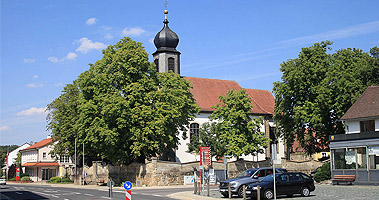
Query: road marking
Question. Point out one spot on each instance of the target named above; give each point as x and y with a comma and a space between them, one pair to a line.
157, 195
46, 194
89, 195
105, 197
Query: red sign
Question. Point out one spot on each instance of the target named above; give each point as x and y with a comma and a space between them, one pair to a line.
128, 195
18, 174
205, 155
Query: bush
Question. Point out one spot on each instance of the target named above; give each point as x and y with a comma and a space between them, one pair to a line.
24, 174
12, 179
58, 179
323, 173
25, 178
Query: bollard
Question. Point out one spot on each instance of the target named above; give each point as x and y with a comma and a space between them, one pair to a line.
194, 187
244, 192
207, 188
258, 192
229, 191
198, 188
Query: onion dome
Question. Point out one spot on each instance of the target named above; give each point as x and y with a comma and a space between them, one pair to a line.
166, 39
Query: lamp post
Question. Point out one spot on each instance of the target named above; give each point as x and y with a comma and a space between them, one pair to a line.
226, 162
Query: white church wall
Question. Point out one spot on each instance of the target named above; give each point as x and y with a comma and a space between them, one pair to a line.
183, 157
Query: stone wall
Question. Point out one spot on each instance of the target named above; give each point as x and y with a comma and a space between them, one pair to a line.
156, 172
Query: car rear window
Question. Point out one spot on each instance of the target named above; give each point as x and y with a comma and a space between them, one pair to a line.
305, 176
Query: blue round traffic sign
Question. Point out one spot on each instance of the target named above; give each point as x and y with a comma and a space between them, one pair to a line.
127, 185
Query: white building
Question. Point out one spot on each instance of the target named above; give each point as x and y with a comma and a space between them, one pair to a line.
39, 163
13, 155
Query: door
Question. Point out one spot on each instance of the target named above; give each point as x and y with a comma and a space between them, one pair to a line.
295, 183
47, 174
282, 184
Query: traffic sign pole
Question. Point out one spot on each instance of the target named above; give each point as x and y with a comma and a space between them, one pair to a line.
128, 186
128, 195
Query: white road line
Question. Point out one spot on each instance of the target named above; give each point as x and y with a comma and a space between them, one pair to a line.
105, 197
46, 194
157, 195
89, 195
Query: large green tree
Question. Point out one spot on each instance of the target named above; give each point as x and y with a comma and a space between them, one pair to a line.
317, 88
236, 128
121, 108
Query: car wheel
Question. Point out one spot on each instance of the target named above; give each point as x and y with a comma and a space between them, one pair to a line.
268, 194
240, 191
305, 191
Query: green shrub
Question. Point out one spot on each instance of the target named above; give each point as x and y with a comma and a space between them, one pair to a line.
58, 179
12, 179
323, 173
25, 178
24, 174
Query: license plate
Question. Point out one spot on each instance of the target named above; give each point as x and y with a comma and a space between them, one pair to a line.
223, 190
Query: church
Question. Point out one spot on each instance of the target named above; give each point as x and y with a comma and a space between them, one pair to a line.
206, 92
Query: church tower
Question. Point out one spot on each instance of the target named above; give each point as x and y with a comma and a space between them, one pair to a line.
166, 58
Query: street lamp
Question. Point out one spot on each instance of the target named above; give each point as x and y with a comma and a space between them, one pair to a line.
226, 162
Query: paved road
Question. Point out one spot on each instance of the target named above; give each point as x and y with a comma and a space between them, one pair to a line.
325, 192
25, 191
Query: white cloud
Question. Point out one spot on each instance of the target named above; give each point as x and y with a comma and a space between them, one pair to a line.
87, 45
108, 36
71, 56
4, 128
34, 85
133, 31
106, 27
53, 59
26, 60
91, 21
58, 84
33, 111
351, 31
35, 76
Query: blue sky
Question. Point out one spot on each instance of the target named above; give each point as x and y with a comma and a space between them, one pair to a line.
47, 44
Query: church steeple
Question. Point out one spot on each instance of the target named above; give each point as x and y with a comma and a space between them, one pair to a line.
166, 58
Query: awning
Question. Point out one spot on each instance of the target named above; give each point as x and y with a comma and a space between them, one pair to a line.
41, 164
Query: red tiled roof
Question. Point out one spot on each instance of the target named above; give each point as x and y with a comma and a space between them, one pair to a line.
40, 164
262, 100
39, 144
366, 106
206, 93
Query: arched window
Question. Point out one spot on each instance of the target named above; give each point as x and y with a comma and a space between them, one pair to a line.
171, 64
156, 64
194, 132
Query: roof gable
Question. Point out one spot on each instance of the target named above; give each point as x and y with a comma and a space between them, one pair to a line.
40, 144
366, 106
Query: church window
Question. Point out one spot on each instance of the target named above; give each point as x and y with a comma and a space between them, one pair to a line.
156, 64
194, 132
171, 64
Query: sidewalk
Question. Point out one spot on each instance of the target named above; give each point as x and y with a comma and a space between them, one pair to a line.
186, 195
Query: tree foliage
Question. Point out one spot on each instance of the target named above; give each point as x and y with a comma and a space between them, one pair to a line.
236, 128
317, 88
209, 136
121, 109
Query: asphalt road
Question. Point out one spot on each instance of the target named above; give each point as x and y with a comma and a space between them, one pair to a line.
20, 192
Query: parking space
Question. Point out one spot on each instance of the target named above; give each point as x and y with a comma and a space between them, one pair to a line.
322, 192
